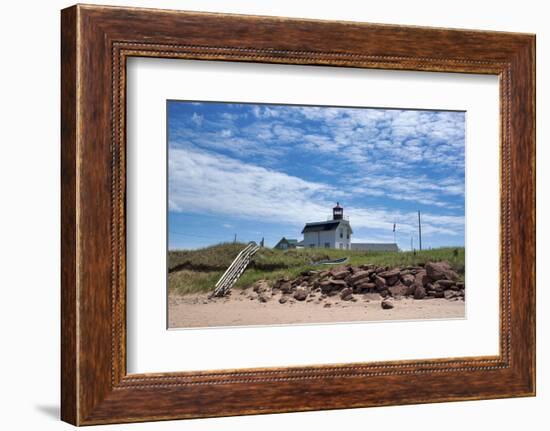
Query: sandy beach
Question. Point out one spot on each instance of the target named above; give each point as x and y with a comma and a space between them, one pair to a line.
238, 309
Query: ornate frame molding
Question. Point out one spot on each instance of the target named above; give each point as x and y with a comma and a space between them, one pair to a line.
96, 41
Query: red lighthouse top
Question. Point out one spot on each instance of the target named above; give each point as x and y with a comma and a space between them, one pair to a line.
337, 212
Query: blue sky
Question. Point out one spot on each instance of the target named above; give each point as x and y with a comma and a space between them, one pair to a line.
265, 170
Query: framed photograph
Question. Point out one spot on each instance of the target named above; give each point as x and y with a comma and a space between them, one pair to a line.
244, 180
323, 214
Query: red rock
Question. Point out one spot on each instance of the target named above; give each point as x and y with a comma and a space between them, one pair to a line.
338, 284
387, 304
283, 299
380, 282
286, 287
339, 274
407, 279
410, 290
365, 286
391, 281
446, 284
390, 274
346, 294
326, 286
359, 276
440, 271
419, 293
301, 293
421, 278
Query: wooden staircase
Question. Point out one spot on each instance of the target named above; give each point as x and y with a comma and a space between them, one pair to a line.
235, 270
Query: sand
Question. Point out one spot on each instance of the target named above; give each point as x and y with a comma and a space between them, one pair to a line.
196, 310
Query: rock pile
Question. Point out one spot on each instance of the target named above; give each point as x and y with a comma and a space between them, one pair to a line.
432, 280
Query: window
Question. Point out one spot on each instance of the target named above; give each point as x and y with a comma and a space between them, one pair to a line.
341, 233
341, 246
327, 244
348, 233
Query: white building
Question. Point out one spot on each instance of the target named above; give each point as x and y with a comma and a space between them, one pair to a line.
335, 233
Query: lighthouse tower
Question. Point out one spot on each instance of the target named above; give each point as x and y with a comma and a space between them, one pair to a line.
337, 212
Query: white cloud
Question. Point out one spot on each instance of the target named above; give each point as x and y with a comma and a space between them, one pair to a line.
418, 188
391, 136
204, 182
197, 119
265, 111
366, 139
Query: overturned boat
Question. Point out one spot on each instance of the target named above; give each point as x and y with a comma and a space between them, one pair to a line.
331, 261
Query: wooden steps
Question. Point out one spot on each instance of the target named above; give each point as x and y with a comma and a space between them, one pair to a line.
235, 270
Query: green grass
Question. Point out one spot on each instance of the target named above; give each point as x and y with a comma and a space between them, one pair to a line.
214, 258
199, 270
186, 281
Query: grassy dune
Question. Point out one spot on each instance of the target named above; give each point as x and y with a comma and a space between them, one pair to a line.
198, 270
214, 258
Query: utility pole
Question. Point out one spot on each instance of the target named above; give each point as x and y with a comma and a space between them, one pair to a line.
419, 233
235, 239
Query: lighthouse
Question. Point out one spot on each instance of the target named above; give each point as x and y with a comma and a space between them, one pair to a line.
335, 233
337, 212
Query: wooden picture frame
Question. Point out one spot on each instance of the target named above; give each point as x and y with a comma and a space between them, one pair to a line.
95, 43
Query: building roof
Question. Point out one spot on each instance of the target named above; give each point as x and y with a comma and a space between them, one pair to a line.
288, 241
324, 225
374, 246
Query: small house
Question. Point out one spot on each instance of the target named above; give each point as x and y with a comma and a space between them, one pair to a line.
285, 244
